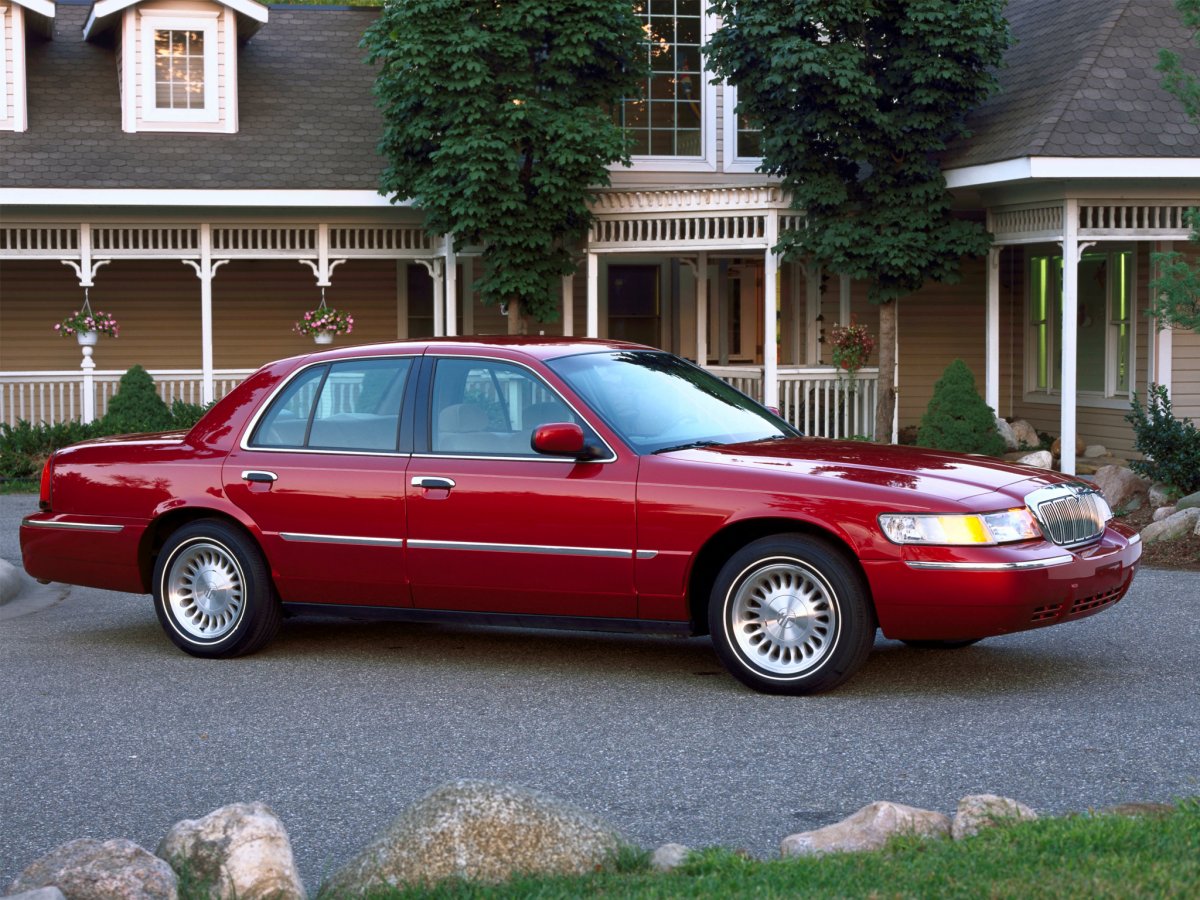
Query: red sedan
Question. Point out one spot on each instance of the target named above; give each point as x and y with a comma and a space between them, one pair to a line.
568, 483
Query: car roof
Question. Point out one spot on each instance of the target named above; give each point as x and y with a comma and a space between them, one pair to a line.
537, 346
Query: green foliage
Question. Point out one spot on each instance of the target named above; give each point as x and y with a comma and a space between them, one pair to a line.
1170, 447
957, 418
1103, 856
497, 126
25, 447
136, 406
1176, 79
858, 98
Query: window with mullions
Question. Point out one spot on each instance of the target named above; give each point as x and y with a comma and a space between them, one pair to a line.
667, 119
1104, 319
179, 68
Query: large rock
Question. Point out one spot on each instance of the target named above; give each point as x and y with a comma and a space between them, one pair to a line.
1040, 458
1123, 490
979, 811
1161, 495
1025, 434
480, 831
1056, 447
1172, 527
1006, 432
1094, 451
868, 829
242, 850
1164, 512
87, 869
1191, 501
46, 893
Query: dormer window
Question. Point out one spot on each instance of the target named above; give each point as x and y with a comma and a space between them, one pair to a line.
180, 84
18, 20
177, 60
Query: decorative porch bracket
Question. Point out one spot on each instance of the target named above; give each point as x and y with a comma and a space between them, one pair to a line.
435, 267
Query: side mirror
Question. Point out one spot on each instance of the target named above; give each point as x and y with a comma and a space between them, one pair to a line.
558, 439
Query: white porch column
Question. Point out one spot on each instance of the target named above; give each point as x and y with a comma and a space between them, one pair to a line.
991, 393
451, 288
593, 295
568, 304
1162, 350
89, 386
702, 308
770, 393
843, 299
812, 310
205, 269
1068, 378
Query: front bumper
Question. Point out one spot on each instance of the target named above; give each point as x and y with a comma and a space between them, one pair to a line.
949, 594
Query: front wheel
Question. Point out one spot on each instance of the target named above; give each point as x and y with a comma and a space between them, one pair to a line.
212, 593
790, 615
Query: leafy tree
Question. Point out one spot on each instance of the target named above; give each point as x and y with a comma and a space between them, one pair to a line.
498, 126
957, 418
857, 98
1176, 287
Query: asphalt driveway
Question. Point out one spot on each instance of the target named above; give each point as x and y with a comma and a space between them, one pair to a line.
108, 731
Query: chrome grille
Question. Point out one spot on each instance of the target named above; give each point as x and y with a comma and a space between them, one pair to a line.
1069, 514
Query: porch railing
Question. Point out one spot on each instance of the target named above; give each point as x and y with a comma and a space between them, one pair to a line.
58, 396
820, 400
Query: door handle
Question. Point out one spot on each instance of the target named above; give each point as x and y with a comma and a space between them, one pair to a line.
259, 476
432, 481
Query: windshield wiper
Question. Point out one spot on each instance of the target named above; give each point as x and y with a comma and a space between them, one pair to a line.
690, 445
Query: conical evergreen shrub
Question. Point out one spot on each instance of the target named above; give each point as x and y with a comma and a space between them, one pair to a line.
136, 406
957, 418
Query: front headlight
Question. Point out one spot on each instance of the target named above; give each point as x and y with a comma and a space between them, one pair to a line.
1003, 527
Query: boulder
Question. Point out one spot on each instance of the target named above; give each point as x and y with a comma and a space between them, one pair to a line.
1164, 512
1191, 501
88, 869
480, 831
1161, 495
1171, 528
1123, 490
1026, 435
1080, 447
868, 829
979, 811
242, 850
1006, 432
669, 857
1094, 451
1040, 458
46, 893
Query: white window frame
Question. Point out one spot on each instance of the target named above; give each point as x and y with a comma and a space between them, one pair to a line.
1113, 397
707, 161
5, 112
733, 162
164, 20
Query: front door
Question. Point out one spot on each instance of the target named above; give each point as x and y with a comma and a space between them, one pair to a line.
322, 475
494, 526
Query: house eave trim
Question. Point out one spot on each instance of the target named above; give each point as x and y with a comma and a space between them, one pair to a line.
102, 13
41, 7
124, 197
1056, 168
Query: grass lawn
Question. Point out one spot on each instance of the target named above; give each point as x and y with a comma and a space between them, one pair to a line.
1078, 856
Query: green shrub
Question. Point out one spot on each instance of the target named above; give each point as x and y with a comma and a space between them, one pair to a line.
25, 447
1170, 447
136, 406
957, 418
184, 415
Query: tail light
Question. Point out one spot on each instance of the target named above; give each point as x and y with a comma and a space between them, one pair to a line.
47, 476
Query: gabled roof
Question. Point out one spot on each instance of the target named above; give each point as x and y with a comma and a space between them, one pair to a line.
106, 13
1079, 82
297, 131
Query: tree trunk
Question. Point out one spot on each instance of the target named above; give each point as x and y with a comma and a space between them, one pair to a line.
516, 321
885, 411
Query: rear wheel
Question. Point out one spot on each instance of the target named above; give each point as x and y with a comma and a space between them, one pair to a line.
790, 615
212, 593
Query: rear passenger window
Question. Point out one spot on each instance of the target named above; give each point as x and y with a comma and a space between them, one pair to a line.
349, 406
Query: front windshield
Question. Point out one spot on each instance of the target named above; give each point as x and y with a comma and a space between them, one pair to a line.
657, 402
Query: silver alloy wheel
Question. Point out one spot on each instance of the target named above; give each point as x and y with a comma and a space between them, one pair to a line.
206, 590
784, 617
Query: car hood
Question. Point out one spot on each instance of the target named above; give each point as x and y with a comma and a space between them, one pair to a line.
953, 476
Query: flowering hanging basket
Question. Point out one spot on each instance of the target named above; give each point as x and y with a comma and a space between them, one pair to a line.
323, 323
852, 346
85, 326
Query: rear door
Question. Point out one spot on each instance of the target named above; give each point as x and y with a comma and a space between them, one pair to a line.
321, 472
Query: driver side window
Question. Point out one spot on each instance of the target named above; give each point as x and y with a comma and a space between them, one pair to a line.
490, 408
